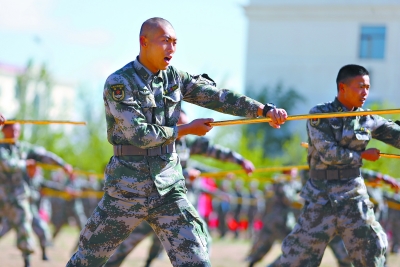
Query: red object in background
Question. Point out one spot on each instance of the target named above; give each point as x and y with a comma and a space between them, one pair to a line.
205, 200
233, 225
258, 224
243, 225
43, 214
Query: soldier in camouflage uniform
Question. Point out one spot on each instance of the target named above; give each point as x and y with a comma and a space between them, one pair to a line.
144, 180
14, 191
40, 226
71, 207
279, 216
336, 199
185, 147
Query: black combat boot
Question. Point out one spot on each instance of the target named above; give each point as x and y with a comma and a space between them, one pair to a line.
44, 255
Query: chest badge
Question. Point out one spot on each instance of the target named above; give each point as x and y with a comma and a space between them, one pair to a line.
171, 89
118, 92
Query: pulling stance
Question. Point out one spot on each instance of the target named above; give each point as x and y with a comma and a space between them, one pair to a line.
336, 198
144, 180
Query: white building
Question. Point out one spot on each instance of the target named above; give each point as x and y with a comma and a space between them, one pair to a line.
303, 44
61, 102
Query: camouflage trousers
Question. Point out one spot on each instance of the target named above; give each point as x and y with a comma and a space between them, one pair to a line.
173, 218
354, 221
274, 228
338, 250
129, 244
18, 214
39, 226
63, 209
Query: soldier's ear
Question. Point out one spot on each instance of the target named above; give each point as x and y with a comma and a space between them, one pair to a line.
341, 86
143, 41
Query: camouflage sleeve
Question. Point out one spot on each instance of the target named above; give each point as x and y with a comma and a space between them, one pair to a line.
202, 91
10, 164
126, 123
323, 140
40, 154
202, 146
386, 131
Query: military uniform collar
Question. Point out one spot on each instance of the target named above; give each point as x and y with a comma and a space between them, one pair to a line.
146, 75
340, 107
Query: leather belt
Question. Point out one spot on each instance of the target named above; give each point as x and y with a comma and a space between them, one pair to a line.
131, 150
336, 174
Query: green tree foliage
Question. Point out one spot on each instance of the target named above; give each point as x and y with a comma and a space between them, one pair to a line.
84, 147
272, 140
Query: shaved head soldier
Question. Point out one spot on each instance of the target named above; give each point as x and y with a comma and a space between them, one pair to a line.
144, 179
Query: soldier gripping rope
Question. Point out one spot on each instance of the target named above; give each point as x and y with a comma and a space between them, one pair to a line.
336, 193
15, 157
185, 147
144, 180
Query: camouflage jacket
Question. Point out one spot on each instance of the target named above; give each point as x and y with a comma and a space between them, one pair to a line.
337, 143
13, 177
143, 109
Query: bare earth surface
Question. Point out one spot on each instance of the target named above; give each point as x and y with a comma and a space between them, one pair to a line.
225, 253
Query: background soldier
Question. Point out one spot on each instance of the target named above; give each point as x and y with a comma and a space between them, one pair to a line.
15, 204
279, 216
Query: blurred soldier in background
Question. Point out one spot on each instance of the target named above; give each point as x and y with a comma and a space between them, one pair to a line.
14, 190
279, 217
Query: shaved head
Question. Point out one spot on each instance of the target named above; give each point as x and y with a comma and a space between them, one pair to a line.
157, 44
152, 25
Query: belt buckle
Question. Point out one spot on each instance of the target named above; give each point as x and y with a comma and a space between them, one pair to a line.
332, 175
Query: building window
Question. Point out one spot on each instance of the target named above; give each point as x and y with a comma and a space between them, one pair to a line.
372, 43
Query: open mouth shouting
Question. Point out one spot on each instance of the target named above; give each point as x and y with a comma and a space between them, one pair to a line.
168, 59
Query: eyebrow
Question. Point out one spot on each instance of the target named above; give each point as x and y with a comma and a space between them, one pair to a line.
362, 83
169, 37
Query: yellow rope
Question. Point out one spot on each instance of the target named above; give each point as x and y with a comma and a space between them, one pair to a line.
308, 116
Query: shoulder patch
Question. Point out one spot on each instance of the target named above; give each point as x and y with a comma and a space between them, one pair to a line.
118, 92
314, 122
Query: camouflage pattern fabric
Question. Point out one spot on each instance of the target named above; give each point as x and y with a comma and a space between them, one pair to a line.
138, 234
172, 217
142, 109
65, 208
15, 194
184, 147
278, 220
339, 207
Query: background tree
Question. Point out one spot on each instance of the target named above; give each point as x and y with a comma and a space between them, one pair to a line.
272, 140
